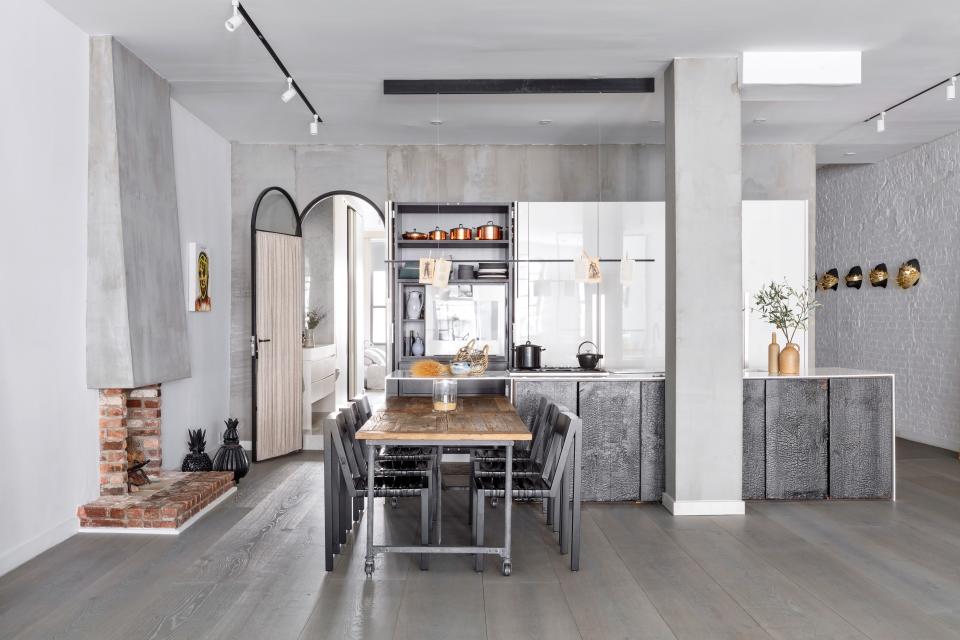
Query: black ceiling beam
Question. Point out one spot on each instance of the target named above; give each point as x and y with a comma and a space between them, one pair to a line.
517, 86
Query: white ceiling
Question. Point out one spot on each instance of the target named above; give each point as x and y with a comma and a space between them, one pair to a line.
340, 51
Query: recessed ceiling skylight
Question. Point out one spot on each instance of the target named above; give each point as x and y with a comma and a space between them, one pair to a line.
801, 67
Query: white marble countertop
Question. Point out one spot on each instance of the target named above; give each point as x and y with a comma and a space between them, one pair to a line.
818, 372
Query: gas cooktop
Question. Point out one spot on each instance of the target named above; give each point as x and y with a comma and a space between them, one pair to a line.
559, 371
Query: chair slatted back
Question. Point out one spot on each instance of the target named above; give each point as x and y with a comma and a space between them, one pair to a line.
351, 421
565, 427
364, 411
541, 438
337, 425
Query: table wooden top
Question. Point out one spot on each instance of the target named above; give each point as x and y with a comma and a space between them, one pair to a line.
476, 418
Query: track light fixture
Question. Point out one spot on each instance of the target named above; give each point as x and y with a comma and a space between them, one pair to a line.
236, 20
951, 83
290, 93
240, 16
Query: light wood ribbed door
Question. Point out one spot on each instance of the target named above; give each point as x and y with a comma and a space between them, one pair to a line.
279, 313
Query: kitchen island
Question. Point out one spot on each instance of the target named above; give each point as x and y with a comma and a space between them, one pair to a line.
827, 433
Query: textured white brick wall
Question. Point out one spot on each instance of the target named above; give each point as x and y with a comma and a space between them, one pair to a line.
905, 207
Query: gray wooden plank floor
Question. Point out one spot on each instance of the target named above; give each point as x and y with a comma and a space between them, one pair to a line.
253, 568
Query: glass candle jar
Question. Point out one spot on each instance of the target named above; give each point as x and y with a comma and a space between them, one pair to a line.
444, 395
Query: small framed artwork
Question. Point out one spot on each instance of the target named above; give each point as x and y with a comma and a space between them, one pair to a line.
198, 296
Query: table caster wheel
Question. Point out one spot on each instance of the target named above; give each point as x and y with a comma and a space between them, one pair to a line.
368, 568
507, 568
394, 503
494, 502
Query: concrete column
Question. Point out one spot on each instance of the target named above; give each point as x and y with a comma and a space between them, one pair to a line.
704, 361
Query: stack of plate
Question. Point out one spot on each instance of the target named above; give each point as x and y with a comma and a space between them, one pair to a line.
492, 271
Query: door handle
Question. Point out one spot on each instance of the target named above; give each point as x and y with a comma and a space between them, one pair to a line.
263, 340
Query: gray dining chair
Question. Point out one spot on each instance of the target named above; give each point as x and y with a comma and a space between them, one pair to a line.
388, 483
550, 483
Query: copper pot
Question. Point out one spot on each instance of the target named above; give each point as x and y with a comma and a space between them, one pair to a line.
490, 231
438, 234
415, 235
461, 233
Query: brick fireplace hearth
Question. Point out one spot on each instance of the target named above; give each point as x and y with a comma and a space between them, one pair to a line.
130, 423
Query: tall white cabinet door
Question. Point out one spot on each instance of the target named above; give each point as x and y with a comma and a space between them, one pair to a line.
775, 248
279, 269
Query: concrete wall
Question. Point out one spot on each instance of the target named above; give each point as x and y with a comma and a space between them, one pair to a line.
136, 321
469, 173
905, 207
48, 418
202, 160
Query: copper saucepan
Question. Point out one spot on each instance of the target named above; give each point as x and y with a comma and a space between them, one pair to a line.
461, 233
415, 235
438, 234
490, 231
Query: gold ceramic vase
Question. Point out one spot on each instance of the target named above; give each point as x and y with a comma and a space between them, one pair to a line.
789, 360
773, 355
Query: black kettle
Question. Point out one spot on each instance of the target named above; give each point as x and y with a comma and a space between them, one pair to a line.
588, 360
527, 356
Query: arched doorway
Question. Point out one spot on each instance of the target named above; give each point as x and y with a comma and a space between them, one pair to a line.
345, 282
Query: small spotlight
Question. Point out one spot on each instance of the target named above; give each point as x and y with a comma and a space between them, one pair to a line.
546, 122
952, 89
882, 122
290, 93
436, 123
233, 22
849, 153
315, 125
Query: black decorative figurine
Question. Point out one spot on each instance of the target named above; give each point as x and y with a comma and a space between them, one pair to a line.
231, 456
879, 275
197, 459
854, 278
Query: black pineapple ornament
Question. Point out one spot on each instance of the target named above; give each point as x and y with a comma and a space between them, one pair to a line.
231, 456
197, 459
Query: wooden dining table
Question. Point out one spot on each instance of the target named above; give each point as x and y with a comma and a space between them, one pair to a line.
477, 421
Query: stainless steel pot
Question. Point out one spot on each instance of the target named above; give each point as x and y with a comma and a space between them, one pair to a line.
527, 356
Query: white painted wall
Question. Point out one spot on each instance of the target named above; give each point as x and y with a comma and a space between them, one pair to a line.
202, 165
48, 417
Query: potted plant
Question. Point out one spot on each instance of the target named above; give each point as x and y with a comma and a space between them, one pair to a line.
789, 310
312, 321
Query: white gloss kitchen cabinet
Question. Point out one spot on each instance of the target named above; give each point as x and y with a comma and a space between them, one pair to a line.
626, 319
552, 309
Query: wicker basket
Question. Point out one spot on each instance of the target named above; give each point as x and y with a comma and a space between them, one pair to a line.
477, 358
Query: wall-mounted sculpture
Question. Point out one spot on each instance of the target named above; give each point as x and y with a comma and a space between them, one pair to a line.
909, 274
879, 275
829, 280
854, 277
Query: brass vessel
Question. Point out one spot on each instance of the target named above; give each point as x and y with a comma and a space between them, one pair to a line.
909, 274
829, 280
879, 275
854, 278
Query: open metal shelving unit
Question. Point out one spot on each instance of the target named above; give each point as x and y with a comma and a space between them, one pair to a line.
402, 217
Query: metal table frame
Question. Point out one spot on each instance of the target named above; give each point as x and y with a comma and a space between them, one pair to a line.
506, 566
